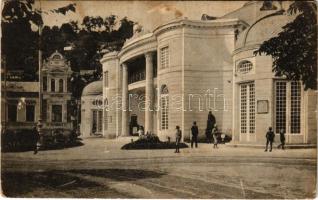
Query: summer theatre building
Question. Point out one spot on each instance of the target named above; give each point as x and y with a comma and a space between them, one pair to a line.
177, 73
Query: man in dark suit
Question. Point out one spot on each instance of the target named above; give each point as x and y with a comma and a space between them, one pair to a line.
270, 135
195, 133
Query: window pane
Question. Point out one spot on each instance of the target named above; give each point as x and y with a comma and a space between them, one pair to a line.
56, 113
243, 108
44, 83
280, 107
164, 57
61, 85
30, 113
295, 103
52, 85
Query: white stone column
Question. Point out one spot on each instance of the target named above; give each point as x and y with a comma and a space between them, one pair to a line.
149, 93
124, 105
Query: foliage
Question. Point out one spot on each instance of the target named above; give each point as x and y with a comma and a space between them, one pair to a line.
294, 50
88, 39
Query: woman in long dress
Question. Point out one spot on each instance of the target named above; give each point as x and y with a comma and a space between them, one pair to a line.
215, 133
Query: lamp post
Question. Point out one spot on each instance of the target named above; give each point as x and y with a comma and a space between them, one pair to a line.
40, 125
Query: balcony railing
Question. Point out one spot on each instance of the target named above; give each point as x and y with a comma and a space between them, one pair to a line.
136, 76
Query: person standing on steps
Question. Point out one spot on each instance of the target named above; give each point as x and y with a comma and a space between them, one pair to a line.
210, 125
195, 133
270, 135
178, 139
215, 133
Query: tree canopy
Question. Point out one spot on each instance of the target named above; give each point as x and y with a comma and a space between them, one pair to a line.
294, 50
88, 38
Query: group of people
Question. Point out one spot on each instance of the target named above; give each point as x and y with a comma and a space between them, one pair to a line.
270, 135
211, 132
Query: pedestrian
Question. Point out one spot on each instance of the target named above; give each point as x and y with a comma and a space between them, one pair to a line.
209, 127
282, 138
208, 134
269, 139
141, 131
215, 133
36, 139
195, 133
178, 139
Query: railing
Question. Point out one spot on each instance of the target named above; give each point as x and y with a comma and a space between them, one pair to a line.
136, 76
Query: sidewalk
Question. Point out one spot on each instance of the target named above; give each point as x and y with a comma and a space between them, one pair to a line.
106, 149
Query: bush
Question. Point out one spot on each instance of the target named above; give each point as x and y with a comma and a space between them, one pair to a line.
151, 142
25, 139
18, 140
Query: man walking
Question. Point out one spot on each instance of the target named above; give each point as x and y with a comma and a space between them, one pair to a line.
178, 139
269, 138
282, 139
195, 133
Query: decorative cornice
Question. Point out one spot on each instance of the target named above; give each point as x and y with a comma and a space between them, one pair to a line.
198, 24
246, 48
109, 56
137, 43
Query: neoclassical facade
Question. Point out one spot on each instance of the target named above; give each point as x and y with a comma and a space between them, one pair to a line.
180, 71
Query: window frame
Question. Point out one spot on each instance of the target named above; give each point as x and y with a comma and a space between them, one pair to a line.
166, 63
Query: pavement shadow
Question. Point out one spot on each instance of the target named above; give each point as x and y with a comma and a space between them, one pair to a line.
68, 183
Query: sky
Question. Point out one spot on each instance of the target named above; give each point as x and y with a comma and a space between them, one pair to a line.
149, 14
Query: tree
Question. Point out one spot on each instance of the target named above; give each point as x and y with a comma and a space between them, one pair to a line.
294, 50
20, 42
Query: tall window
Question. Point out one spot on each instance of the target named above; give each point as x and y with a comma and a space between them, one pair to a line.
106, 79
44, 83
245, 67
61, 85
288, 106
164, 98
44, 110
105, 114
247, 108
164, 57
56, 113
97, 126
12, 112
281, 100
52, 85
29, 112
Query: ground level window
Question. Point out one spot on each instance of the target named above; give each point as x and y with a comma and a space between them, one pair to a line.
288, 106
97, 121
56, 113
247, 108
164, 101
30, 113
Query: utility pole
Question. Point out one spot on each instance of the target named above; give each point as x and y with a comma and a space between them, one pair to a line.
40, 125
5, 93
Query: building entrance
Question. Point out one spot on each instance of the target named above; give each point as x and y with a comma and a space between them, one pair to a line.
247, 111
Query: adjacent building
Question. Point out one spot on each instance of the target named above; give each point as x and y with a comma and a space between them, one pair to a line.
180, 71
92, 110
20, 100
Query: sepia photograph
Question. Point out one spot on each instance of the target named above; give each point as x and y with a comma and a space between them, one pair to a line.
159, 99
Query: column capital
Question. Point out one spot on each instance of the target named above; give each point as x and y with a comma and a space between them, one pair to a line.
149, 54
123, 65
